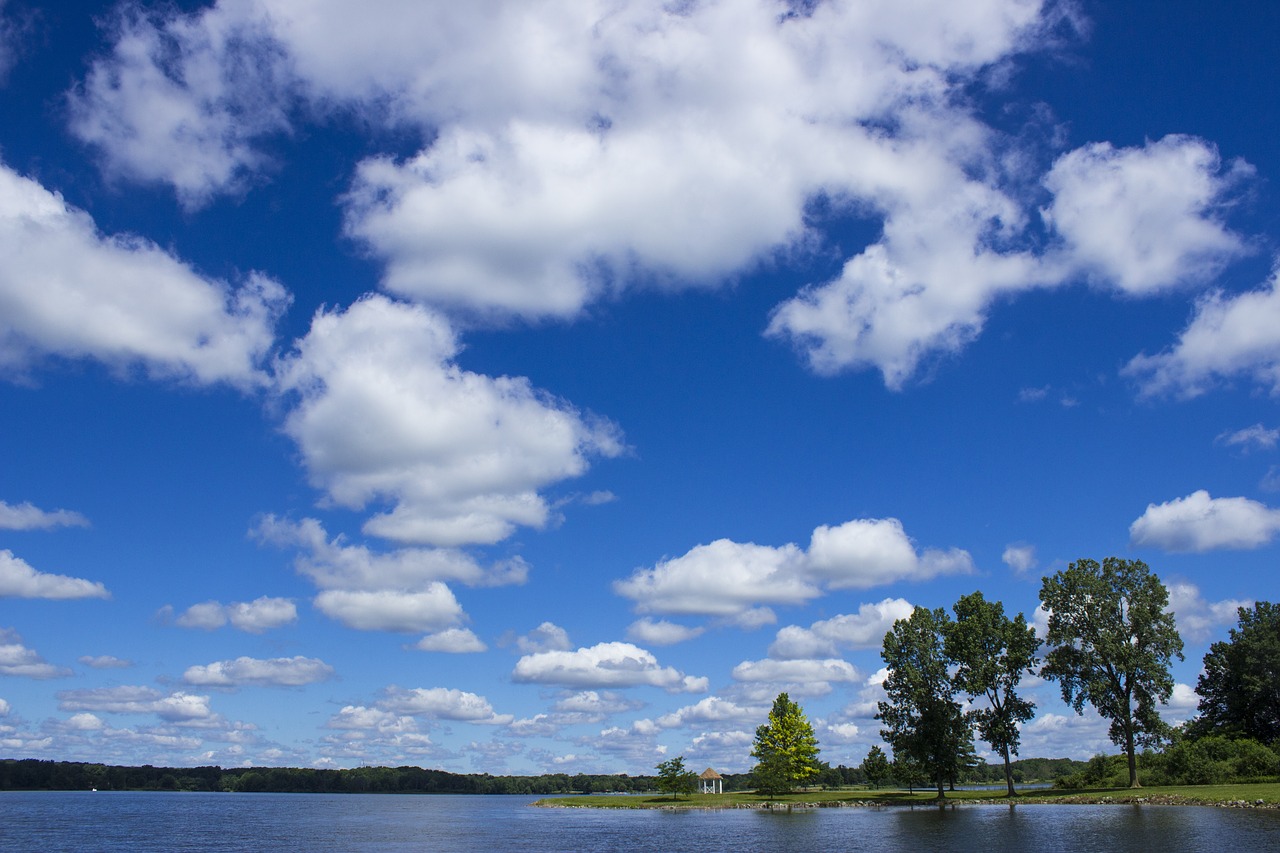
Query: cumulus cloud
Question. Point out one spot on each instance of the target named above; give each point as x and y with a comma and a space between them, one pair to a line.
546, 637
1230, 336
177, 707
19, 660
1144, 218
20, 580
1020, 557
433, 608
712, 711
737, 582
454, 641
604, 665
255, 616
105, 662
1199, 523
68, 291
383, 414
814, 675
1198, 619
441, 703
26, 516
863, 630
661, 632
296, 671
333, 563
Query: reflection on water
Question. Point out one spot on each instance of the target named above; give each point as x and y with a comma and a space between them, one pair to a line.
86, 821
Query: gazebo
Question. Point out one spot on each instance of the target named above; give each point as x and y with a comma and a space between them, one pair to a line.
710, 782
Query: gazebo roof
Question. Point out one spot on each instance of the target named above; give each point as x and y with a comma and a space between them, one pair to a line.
710, 774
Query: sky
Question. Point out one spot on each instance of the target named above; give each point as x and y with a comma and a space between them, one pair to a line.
524, 387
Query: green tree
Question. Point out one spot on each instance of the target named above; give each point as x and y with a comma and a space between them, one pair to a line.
925, 722
1113, 642
876, 767
786, 750
675, 779
1240, 685
992, 652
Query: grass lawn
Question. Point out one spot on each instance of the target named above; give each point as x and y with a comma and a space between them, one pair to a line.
1268, 792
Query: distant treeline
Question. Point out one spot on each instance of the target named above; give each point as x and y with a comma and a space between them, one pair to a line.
36, 775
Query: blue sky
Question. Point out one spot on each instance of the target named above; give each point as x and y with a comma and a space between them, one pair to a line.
535, 387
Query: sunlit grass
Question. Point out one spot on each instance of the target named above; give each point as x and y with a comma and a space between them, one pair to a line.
1268, 792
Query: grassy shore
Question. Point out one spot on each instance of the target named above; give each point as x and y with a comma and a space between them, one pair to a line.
1258, 795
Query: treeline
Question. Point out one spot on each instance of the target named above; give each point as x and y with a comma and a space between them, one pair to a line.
36, 775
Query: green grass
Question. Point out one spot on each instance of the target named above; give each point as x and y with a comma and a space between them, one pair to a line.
1268, 792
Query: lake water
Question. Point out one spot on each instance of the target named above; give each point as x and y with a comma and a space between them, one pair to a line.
86, 821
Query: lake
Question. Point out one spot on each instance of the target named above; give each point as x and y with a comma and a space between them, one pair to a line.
92, 821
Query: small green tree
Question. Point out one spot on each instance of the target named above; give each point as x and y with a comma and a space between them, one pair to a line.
1113, 642
925, 722
786, 750
992, 652
876, 767
1240, 685
675, 779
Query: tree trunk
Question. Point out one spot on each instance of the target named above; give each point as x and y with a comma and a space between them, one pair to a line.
1008, 773
942, 795
1133, 758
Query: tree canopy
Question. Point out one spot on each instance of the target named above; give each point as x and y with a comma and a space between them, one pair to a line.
1112, 644
786, 749
876, 767
925, 723
992, 652
674, 778
1240, 686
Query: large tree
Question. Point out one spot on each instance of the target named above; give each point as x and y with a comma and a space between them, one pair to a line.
876, 767
675, 779
785, 748
1240, 686
1113, 642
992, 652
925, 723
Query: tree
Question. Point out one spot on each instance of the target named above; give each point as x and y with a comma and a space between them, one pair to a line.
1113, 643
992, 652
675, 779
876, 767
1240, 686
925, 723
785, 748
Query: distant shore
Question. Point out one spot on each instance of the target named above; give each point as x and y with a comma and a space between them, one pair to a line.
1261, 795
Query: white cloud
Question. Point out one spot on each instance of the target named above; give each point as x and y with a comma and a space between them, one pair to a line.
871, 552
455, 641
26, 516
105, 662
1197, 618
1256, 437
255, 616
428, 610
1230, 336
20, 580
296, 671
724, 578
68, 291
334, 564
545, 638
1199, 523
661, 632
594, 703
85, 722
735, 581
383, 414
1144, 218
1020, 557
441, 703
713, 711
4, 708
360, 717
604, 665
864, 630
18, 660
802, 672
178, 707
